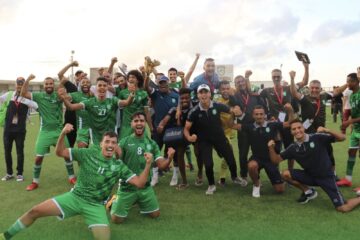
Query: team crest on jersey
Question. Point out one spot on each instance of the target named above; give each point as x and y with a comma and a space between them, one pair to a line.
108, 106
173, 100
312, 144
148, 146
214, 111
284, 94
267, 129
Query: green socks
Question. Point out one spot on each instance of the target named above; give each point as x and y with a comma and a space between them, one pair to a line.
14, 229
350, 166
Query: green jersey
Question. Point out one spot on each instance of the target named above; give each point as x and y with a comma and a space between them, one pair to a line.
82, 116
140, 101
102, 115
355, 109
50, 110
175, 85
97, 175
133, 149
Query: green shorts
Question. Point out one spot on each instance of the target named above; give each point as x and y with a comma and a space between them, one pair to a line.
45, 140
146, 199
83, 136
71, 205
354, 139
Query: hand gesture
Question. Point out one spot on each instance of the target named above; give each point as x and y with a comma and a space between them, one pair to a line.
345, 124
271, 143
197, 55
30, 77
61, 93
114, 60
237, 111
288, 107
68, 128
248, 73
322, 130
74, 64
292, 74
160, 129
131, 87
192, 138
148, 157
170, 152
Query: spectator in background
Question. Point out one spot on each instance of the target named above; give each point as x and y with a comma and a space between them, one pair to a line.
337, 106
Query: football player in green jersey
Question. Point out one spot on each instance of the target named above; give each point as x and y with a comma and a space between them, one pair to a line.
51, 122
100, 109
132, 152
99, 172
82, 116
352, 84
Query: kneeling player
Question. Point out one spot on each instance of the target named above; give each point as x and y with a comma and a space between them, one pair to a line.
133, 148
310, 151
98, 174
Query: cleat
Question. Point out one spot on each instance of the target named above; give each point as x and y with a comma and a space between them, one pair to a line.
344, 183
19, 178
256, 191
7, 177
211, 189
72, 180
305, 198
32, 186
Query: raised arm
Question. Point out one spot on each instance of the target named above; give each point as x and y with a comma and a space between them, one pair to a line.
140, 181
24, 90
305, 80
147, 87
148, 118
164, 163
191, 69
339, 137
248, 73
339, 90
60, 149
66, 100
163, 123
112, 63
66, 68
274, 157
291, 115
293, 89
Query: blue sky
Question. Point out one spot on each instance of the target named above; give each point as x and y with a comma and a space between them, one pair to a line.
37, 36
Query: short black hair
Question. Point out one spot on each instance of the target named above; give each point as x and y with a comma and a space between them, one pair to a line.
101, 79
136, 114
78, 72
296, 120
224, 82
184, 91
353, 77
172, 70
110, 134
259, 107
209, 60
138, 76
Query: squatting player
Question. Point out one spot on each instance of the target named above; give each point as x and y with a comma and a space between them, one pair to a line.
99, 172
310, 151
133, 148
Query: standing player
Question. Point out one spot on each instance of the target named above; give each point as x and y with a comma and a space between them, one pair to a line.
51, 116
82, 117
99, 172
133, 148
205, 118
140, 102
100, 110
277, 96
310, 151
353, 84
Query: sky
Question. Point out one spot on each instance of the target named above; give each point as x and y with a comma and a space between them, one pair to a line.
37, 36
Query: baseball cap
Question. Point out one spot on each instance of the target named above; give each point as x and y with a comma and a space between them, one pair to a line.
203, 86
163, 78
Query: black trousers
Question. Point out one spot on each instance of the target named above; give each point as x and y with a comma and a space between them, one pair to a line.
223, 148
243, 146
19, 138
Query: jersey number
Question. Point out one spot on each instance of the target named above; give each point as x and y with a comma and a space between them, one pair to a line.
139, 151
101, 170
102, 112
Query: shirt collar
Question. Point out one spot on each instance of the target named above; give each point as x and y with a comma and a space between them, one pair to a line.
307, 138
264, 124
202, 109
